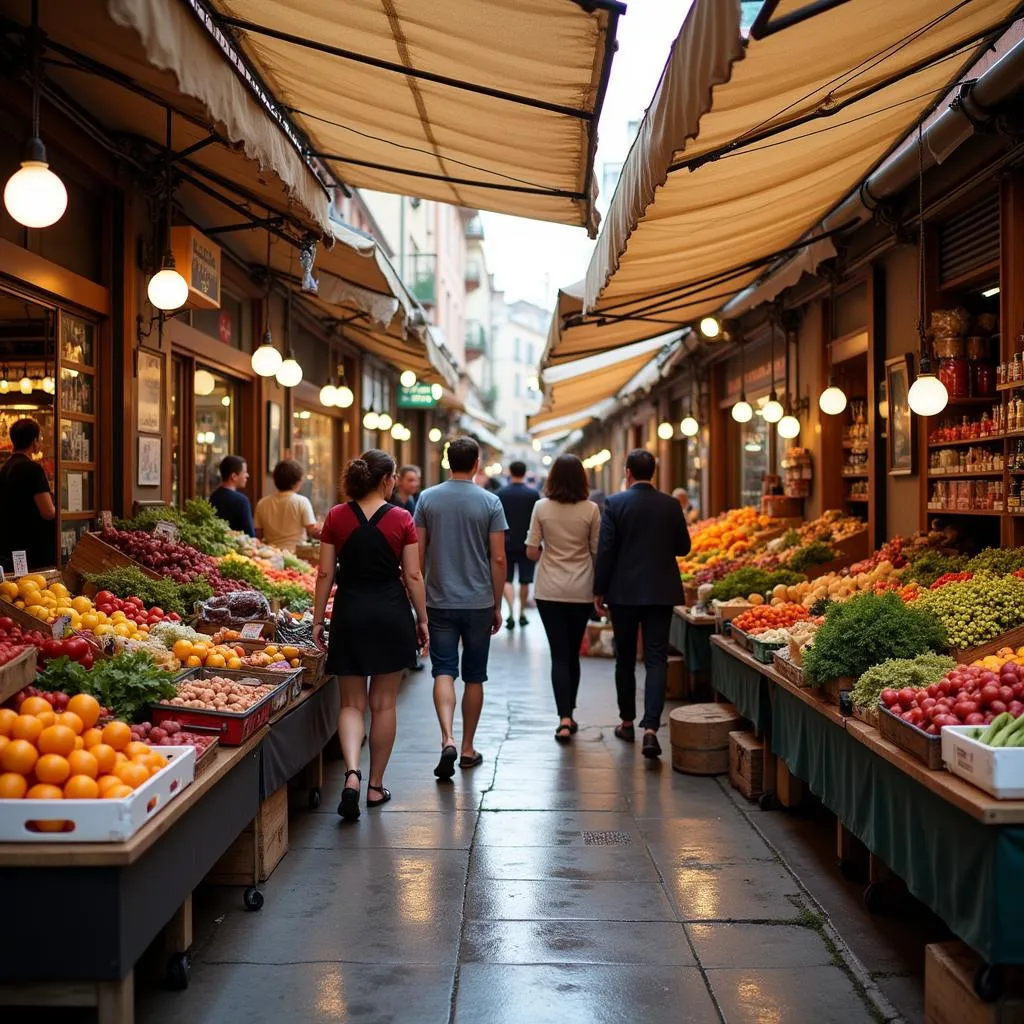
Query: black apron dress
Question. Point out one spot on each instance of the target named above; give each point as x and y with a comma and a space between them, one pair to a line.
373, 631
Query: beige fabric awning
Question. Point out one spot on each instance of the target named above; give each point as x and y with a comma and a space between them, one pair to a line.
478, 103
551, 433
747, 145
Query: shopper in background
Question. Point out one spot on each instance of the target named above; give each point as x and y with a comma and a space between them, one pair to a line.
27, 510
563, 536
286, 519
407, 488
683, 497
372, 548
637, 580
229, 501
462, 547
518, 501
598, 497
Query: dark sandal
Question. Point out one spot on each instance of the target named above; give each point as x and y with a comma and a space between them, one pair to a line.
349, 806
446, 766
385, 797
467, 761
563, 733
575, 727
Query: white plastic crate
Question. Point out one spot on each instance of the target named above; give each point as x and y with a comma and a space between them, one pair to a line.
997, 770
100, 821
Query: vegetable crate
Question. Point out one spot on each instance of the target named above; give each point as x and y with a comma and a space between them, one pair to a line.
21, 618
924, 747
689, 595
312, 658
293, 677
94, 555
1014, 638
233, 728
99, 821
17, 674
209, 628
867, 715
727, 612
784, 666
997, 770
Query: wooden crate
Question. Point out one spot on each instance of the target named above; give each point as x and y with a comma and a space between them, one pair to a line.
1014, 638
253, 856
831, 688
699, 734
785, 667
746, 764
927, 749
22, 618
675, 687
949, 996
17, 674
868, 715
92, 554
689, 595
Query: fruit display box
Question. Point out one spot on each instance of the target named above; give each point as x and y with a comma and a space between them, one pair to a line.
1014, 638
312, 659
233, 728
924, 747
783, 664
999, 771
18, 673
99, 821
93, 555
267, 627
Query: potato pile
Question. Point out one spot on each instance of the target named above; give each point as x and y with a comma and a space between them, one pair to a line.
219, 694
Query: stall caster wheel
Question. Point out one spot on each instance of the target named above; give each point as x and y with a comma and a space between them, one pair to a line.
179, 967
874, 898
314, 798
988, 982
252, 898
766, 801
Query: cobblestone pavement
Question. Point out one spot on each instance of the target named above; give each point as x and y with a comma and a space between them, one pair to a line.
550, 884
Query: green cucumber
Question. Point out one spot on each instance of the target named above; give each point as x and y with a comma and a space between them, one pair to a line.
995, 726
1009, 735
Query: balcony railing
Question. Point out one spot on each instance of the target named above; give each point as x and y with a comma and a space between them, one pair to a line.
475, 228
422, 277
476, 337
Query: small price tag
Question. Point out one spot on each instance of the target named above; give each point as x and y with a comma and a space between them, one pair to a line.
106, 520
20, 560
167, 530
60, 626
277, 562
2, 577
251, 631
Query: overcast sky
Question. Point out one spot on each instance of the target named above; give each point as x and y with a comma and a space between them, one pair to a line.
532, 259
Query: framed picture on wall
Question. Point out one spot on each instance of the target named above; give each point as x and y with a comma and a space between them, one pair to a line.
150, 373
273, 435
902, 442
149, 461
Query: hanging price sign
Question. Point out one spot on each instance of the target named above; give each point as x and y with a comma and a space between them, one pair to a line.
20, 560
166, 530
251, 631
60, 626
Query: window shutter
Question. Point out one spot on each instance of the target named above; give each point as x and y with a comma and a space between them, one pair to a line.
969, 240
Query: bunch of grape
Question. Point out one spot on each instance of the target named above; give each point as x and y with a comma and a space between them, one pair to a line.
975, 611
997, 560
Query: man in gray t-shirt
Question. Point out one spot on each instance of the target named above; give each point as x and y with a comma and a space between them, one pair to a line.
462, 550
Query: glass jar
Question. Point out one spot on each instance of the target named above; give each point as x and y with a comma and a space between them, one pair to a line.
955, 374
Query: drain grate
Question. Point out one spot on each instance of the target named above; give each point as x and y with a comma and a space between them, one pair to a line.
607, 838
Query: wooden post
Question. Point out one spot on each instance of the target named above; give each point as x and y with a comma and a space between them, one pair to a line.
789, 789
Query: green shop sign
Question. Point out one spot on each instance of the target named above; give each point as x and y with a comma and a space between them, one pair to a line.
419, 396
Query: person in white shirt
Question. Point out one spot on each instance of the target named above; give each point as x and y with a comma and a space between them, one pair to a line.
286, 519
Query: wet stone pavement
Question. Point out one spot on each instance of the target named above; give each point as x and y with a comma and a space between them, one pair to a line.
551, 884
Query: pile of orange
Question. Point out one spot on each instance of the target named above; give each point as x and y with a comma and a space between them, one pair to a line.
48, 755
193, 654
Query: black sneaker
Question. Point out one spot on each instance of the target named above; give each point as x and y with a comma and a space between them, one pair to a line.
651, 747
523, 620
510, 623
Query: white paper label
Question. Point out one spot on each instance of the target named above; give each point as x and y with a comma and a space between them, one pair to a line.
60, 626
106, 520
166, 530
74, 492
2, 577
251, 631
277, 562
20, 560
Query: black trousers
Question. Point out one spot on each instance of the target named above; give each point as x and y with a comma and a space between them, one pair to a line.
654, 621
565, 622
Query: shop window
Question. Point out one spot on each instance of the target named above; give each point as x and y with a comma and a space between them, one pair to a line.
313, 448
214, 426
753, 460
230, 325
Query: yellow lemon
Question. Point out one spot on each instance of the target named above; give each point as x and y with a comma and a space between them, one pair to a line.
81, 605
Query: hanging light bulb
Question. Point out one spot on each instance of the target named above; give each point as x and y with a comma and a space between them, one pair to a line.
266, 360
710, 327
289, 373
773, 411
397, 431
25, 385
328, 395
34, 196
226, 401
832, 401
689, 426
384, 421
789, 427
408, 379
167, 289
435, 435
742, 411
536, 446
665, 431
5, 384
344, 397
883, 408
49, 385
436, 391
371, 421
928, 395
204, 383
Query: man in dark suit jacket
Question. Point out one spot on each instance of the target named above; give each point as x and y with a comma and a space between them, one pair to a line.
637, 580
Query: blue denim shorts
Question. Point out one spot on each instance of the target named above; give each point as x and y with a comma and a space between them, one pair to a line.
470, 625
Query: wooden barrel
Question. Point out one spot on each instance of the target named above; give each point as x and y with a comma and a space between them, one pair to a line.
699, 734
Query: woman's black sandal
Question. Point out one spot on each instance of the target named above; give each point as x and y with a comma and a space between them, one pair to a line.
385, 797
349, 806
575, 727
563, 733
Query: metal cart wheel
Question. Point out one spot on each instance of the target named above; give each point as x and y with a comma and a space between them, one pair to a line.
314, 797
252, 898
989, 982
177, 971
874, 897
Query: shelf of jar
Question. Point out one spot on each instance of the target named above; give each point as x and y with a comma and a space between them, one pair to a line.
1013, 385
855, 476
974, 440
964, 402
966, 511
858, 497
967, 474
855, 446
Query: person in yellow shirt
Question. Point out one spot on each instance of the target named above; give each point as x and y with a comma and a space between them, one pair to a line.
286, 519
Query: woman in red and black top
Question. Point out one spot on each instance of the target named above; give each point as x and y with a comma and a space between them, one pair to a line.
371, 547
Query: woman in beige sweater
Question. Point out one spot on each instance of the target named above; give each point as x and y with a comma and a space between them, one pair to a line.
563, 537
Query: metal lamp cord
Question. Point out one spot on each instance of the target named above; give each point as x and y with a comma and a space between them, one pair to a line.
925, 361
